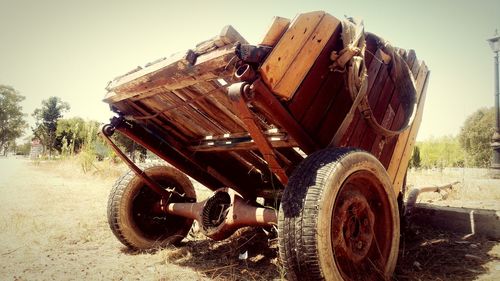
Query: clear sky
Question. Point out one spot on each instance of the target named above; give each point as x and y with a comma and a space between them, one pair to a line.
71, 49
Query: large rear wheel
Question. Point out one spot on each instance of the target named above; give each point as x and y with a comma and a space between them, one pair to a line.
339, 219
133, 214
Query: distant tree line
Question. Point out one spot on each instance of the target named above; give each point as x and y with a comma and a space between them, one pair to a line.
471, 148
76, 136
12, 123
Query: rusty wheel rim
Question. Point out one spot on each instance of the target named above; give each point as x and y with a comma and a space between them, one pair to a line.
362, 227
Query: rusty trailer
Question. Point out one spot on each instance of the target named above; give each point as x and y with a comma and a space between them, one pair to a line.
319, 119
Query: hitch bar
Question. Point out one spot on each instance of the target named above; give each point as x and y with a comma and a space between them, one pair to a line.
106, 133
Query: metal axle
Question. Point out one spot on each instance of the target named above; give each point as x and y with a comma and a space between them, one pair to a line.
223, 213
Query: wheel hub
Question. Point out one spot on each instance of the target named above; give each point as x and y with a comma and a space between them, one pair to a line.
355, 223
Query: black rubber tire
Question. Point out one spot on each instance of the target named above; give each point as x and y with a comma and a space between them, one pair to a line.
305, 232
130, 209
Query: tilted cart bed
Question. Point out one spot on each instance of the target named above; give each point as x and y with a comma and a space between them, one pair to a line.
238, 117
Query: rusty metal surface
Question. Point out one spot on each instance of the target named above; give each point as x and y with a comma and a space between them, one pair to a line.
223, 213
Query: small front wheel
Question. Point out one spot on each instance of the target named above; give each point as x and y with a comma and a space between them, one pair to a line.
339, 218
133, 214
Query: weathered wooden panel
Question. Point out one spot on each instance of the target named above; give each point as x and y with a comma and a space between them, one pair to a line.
317, 76
275, 31
406, 142
358, 125
172, 74
296, 52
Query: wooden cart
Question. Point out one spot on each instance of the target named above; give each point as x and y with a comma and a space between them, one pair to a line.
319, 119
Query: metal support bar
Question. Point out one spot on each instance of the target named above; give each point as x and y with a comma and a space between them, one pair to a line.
168, 153
107, 132
237, 96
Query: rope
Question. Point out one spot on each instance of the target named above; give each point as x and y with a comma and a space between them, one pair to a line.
351, 60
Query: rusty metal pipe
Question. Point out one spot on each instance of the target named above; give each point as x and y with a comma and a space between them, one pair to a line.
223, 213
415, 192
187, 210
245, 73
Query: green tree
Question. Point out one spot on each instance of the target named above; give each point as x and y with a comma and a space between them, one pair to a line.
25, 147
475, 137
415, 160
130, 147
12, 121
441, 152
46, 121
72, 133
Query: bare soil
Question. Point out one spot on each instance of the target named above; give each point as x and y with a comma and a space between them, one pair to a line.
53, 226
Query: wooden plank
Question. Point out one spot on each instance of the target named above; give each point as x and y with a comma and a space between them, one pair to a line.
322, 104
306, 57
160, 121
398, 178
288, 48
356, 130
387, 118
182, 118
335, 116
378, 100
389, 151
211, 113
177, 65
301, 65
390, 143
171, 75
178, 60
371, 50
275, 31
220, 103
390, 116
189, 122
403, 148
228, 35
317, 76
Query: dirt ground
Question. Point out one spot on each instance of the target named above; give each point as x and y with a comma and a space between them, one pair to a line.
53, 226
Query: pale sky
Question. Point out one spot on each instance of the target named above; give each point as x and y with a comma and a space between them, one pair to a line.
71, 49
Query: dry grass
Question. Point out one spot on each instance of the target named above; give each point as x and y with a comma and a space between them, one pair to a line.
427, 255
53, 226
223, 260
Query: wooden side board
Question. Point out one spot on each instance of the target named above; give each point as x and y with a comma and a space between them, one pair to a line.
179, 70
171, 75
406, 141
296, 52
275, 31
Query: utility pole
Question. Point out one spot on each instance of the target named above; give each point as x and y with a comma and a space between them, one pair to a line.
495, 140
